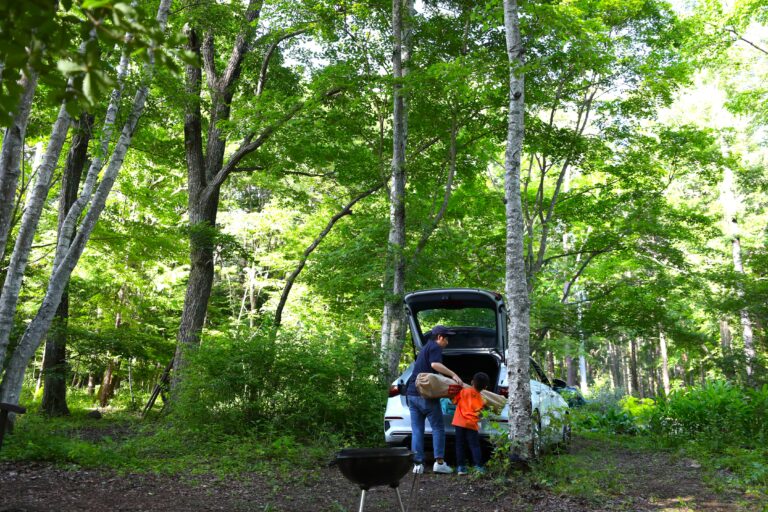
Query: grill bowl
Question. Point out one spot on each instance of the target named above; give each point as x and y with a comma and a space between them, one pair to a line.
369, 467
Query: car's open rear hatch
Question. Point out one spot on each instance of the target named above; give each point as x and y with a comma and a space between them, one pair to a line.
477, 316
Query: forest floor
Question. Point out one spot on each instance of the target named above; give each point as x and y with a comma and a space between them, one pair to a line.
597, 475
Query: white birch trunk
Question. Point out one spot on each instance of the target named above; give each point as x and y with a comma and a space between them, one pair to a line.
725, 337
38, 327
583, 385
626, 373
570, 373
393, 318
12, 286
39, 380
664, 362
29, 222
731, 207
68, 225
516, 284
10, 158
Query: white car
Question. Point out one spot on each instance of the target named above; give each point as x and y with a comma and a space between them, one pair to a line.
479, 319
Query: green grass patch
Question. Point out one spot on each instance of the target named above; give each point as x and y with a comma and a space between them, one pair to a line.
732, 468
587, 475
125, 443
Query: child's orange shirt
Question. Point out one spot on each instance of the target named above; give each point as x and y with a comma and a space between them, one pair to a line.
468, 402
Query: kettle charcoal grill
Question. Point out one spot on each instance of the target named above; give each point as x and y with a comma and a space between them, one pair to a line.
371, 467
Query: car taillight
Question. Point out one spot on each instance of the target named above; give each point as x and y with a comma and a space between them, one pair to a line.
504, 391
393, 390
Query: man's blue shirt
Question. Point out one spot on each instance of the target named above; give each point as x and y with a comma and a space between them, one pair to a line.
431, 353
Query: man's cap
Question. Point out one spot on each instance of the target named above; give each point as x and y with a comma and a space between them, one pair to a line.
441, 330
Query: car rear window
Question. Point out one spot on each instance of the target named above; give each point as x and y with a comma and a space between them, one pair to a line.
475, 327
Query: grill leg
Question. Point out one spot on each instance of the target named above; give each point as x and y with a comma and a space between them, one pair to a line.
362, 500
399, 499
414, 485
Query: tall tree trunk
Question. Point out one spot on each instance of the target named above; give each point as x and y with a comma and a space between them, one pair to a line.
726, 343
746, 321
654, 371
637, 390
393, 318
570, 371
731, 206
26, 235
91, 389
615, 364
625, 372
516, 287
650, 365
583, 383
206, 167
202, 218
39, 373
68, 254
250, 276
571, 375
55, 364
108, 383
76, 381
726, 338
10, 158
684, 369
664, 362
252, 299
584, 386
203, 203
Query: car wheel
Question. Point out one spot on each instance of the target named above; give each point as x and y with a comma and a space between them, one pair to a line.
536, 435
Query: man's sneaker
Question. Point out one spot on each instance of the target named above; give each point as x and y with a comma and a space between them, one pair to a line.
480, 470
418, 469
462, 470
442, 467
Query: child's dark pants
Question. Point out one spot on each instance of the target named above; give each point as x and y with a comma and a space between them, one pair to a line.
466, 437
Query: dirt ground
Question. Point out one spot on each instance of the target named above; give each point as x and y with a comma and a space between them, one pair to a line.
634, 481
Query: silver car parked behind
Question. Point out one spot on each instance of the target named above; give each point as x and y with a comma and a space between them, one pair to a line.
479, 319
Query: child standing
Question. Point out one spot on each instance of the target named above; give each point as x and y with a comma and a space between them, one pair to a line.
466, 421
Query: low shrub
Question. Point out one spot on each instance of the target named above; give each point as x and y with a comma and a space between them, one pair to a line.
614, 414
718, 413
293, 385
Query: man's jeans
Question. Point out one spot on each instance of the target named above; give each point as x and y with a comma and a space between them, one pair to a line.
422, 408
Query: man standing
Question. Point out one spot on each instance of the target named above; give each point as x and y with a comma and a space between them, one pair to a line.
429, 360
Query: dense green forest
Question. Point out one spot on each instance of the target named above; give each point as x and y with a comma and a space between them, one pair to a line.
233, 197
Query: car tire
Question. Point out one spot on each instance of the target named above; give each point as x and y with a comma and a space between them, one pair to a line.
566, 436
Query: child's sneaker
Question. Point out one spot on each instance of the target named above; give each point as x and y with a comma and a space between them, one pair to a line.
442, 467
418, 469
462, 470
